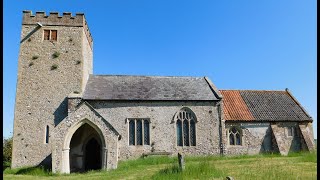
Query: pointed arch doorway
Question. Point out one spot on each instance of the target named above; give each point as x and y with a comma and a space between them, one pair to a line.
86, 149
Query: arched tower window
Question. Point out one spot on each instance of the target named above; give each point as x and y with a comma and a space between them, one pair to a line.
235, 136
186, 127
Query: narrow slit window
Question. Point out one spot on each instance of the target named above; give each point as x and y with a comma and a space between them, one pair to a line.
139, 132
46, 35
290, 131
131, 133
192, 133
53, 35
47, 134
179, 133
186, 132
146, 132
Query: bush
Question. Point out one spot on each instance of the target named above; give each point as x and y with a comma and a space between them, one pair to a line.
35, 57
53, 67
55, 54
7, 152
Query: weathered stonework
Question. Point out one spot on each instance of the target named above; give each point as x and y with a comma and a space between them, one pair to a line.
41, 97
162, 125
63, 133
256, 138
266, 137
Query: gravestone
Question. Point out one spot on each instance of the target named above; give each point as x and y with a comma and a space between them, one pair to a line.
181, 161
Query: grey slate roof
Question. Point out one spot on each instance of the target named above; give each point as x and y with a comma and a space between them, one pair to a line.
273, 106
125, 87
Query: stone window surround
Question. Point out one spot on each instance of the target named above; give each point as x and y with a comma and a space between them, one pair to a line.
135, 132
240, 133
50, 31
175, 127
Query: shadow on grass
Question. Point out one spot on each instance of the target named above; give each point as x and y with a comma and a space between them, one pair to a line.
36, 170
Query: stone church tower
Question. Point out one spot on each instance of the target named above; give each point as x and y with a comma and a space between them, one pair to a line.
55, 59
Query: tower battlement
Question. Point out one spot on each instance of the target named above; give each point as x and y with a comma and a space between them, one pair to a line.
54, 19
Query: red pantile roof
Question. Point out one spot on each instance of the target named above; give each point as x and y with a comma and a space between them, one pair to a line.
234, 107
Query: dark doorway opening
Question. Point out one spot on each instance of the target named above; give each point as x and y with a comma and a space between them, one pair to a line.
92, 155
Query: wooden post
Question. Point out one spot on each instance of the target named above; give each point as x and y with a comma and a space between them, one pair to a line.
181, 161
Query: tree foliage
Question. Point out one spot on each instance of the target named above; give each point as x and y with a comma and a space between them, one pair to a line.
7, 151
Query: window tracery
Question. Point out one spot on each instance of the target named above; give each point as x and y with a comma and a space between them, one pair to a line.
186, 128
235, 136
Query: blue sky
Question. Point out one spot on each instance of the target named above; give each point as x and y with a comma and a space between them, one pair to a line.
264, 45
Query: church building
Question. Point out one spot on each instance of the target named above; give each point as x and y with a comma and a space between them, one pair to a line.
71, 120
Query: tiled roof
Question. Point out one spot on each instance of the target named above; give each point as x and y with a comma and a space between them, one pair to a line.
234, 106
122, 87
258, 105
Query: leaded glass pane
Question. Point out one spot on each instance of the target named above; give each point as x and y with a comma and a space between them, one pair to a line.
192, 133
231, 139
238, 140
179, 133
139, 132
146, 132
234, 130
131, 132
186, 132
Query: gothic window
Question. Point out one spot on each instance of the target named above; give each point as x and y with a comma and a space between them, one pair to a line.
139, 132
186, 127
235, 136
50, 35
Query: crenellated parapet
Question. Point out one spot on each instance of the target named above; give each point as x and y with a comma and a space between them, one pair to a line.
54, 19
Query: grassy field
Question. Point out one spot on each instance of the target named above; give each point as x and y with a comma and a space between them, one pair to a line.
293, 166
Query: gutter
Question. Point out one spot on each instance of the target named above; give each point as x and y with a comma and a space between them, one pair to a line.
220, 128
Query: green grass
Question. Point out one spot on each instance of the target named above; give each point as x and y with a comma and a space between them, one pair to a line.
263, 166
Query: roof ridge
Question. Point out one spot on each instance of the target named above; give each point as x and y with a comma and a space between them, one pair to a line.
156, 76
250, 90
